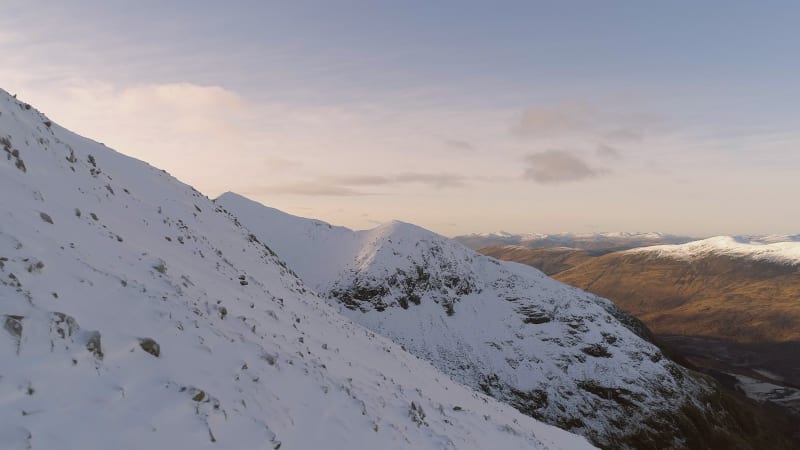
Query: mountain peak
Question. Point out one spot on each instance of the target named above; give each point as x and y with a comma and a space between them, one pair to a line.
502, 328
138, 313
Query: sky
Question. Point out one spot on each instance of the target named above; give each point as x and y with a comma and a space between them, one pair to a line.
582, 116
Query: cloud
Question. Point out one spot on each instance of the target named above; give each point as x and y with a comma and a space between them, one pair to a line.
625, 135
437, 180
346, 185
554, 120
308, 189
579, 120
460, 145
608, 152
357, 180
557, 166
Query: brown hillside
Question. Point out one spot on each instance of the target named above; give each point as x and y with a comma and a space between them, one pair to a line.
736, 299
721, 313
548, 260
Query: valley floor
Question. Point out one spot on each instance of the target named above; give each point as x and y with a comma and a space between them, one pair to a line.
765, 373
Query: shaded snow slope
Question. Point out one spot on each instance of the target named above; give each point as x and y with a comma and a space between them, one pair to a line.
776, 249
553, 351
135, 314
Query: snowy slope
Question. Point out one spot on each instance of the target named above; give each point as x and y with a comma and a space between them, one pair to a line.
768, 238
552, 351
137, 315
776, 249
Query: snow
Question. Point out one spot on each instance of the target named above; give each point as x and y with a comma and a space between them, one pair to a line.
769, 238
543, 236
757, 248
763, 391
560, 353
99, 252
588, 241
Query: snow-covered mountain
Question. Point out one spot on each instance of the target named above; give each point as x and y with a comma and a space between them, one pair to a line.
555, 352
595, 242
137, 314
768, 238
776, 249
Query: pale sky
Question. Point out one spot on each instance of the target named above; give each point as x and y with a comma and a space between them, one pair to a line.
679, 116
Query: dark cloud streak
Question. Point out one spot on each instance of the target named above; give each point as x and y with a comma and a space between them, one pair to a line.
347, 185
553, 120
310, 189
558, 166
608, 152
459, 145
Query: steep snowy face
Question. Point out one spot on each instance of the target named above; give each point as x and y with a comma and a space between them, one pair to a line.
553, 351
135, 314
775, 249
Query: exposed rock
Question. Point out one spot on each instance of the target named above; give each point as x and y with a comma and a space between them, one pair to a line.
13, 324
93, 344
63, 325
199, 396
150, 346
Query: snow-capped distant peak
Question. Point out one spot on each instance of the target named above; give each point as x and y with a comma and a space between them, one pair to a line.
616, 240
768, 238
740, 247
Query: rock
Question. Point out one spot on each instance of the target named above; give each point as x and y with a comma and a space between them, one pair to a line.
150, 346
63, 325
199, 396
13, 325
93, 344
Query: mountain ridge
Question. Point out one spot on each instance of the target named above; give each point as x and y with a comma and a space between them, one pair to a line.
556, 353
136, 313
596, 243
757, 248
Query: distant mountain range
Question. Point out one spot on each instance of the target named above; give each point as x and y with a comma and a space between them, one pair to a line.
593, 243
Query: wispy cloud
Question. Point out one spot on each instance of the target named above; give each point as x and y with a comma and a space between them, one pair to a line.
348, 185
629, 134
441, 180
608, 152
436, 180
357, 180
558, 166
309, 189
553, 120
457, 144
580, 120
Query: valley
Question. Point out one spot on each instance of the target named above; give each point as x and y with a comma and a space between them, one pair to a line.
728, 307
